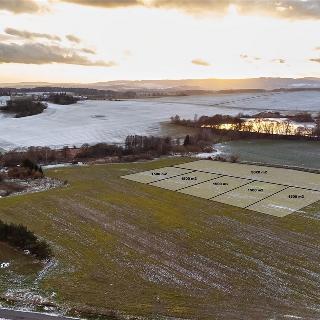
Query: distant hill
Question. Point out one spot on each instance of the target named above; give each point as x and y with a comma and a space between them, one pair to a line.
187, 84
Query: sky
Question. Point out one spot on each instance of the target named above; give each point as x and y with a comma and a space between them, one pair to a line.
86, 41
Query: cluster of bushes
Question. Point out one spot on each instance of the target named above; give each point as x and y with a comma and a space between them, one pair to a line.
20, 237
206, 120
158, 145
7, 188
263, 114
35, 154
98, 151
232, 158
62, 98
24, 107
27, 170
200, 142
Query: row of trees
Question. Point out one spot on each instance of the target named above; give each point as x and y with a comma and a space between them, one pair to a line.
159, 145
36, 155
20, 237
260, 125
133, 146
206, 120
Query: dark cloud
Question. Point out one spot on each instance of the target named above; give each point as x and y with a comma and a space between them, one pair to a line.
105, 3
21, 6
315, 60
37, 53
73, 38
200, 62
30, 35
291, 9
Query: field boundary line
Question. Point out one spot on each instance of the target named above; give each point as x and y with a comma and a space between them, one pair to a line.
177, 175
220, 194
266, 197
199, 183
279, 184
131, 174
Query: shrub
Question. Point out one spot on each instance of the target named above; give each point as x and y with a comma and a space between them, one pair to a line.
24, 107
20, 237
62, 98
220, 158
234, 158
28, 169
24, 173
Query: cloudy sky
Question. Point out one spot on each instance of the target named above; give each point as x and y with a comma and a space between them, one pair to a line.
101, 40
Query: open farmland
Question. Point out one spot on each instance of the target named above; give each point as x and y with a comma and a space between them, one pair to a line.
143, 250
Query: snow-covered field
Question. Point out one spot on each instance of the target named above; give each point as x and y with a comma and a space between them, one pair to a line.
112, 121
286, 102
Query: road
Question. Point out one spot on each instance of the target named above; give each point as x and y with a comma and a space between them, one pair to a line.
9, 314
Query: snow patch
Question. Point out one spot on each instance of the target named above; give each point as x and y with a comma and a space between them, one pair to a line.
4, 265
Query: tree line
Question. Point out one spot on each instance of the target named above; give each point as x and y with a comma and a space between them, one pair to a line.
134, 147
269, 123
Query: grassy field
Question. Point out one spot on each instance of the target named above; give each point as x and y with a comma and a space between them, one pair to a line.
143, 250
293, 153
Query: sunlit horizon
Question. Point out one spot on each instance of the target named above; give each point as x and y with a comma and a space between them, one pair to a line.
71, 43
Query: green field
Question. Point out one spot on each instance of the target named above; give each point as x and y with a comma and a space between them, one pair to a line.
295, 153
142, 250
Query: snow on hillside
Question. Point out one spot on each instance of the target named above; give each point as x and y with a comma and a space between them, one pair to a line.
112, 121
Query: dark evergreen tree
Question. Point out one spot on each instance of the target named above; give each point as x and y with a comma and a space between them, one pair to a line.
186, 141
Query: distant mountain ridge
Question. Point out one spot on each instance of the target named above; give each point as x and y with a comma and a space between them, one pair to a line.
184, 84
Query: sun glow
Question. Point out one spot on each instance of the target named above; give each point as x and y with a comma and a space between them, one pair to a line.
151, 43
268, 126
